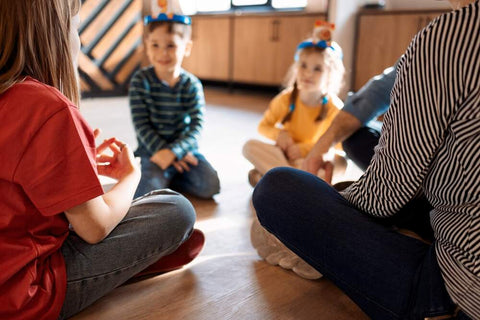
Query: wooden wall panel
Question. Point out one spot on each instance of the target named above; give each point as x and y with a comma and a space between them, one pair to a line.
111, 33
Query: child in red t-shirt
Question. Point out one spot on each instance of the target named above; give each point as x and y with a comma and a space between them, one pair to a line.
64, 243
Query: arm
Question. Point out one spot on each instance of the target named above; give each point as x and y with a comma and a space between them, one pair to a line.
372, 100
342, 126
423, 104
187, 140
94, 219
277, 109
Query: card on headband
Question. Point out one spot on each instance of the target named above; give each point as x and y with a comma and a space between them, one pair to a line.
322, 38
163, 10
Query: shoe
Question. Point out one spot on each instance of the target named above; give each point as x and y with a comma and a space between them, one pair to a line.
276, 253
342, 185
184, 254
253, 177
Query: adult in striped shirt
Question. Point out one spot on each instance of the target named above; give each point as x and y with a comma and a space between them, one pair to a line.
430, 143
167, 105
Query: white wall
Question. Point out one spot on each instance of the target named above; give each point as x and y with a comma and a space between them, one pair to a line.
343, 13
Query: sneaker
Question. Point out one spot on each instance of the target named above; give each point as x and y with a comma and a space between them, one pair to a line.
276, 253
253, 177
342, 185
184, 254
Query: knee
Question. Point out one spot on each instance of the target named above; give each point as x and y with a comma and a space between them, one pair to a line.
209, 187
171, 208
250, 147
270, 190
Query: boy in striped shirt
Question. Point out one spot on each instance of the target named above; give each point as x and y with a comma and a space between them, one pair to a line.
167, 105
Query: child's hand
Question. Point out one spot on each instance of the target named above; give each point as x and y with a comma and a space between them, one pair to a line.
163, 158
293, 152
118, 165
185, 163
284, 140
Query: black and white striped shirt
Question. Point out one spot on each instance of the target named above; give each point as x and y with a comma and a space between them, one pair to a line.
431, 141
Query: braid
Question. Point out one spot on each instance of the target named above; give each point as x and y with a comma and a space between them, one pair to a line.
322, 114
293, 99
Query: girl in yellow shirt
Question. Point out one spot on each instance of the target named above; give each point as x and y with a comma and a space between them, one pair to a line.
301, 113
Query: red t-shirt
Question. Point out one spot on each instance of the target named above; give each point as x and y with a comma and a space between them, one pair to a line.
47, 165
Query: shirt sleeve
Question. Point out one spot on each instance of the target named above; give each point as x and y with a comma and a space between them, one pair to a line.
138, 94
277, 110
423, 101
187, 140
373, 99
58, 169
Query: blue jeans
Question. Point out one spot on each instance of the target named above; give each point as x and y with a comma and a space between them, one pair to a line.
359, 147
389, 275
201, 181
155, 226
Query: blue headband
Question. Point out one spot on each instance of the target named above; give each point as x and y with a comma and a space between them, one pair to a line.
168, 17
322, 44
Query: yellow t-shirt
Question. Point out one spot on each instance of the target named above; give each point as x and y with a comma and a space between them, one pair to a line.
302, 126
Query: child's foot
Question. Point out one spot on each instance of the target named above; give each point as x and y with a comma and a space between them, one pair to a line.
253, 177
276, 253
184, 254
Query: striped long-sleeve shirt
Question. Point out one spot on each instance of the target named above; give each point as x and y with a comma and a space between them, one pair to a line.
431, 142
166, 117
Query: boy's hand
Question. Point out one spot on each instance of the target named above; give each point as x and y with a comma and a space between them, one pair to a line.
185, 163
293, 152
284, 140
163, 158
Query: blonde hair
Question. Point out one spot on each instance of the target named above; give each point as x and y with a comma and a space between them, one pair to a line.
333, 65
35, 42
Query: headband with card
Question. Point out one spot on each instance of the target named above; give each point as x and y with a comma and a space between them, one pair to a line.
164, 11
322, 38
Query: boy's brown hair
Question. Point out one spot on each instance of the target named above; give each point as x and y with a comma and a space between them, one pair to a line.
183, 30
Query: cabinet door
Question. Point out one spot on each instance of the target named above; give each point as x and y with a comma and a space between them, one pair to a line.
292, 31
382, 39
254, 50
210, 57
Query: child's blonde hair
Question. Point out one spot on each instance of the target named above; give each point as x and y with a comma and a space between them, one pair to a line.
333, 65
35, 42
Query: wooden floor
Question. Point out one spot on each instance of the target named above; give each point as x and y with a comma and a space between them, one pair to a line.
228, 280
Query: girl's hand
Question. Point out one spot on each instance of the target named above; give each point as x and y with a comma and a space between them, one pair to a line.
118, 165
163, 158
293, 152
284, 140
185, 163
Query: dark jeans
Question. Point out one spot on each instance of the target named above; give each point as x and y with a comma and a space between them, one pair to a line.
155, 226
389, 275
201, 181
359, 147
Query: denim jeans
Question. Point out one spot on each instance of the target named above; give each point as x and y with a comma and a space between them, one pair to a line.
359, 147
387, 274
201, 181
156, 225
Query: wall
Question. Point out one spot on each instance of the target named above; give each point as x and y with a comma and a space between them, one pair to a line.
343, 13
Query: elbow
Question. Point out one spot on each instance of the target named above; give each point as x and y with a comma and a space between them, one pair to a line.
94, 235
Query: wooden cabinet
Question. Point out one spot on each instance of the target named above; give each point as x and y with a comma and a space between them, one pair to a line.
254, 49
264, 46
210, 57
382, 37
